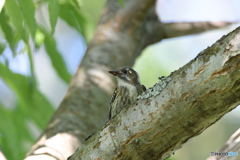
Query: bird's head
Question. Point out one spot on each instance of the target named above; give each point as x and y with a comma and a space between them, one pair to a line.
127, 74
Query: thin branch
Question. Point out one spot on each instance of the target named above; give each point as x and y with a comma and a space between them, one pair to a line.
155, 30
187, 28
175, 110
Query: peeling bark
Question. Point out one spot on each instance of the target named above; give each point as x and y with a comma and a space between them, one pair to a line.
175, 110
120, 37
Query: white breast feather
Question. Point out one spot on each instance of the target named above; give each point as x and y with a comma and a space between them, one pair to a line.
132, 89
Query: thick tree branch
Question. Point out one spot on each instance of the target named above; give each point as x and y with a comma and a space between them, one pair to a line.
120, 37
175, 110
232, 146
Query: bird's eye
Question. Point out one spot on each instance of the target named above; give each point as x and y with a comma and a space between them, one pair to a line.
124, 71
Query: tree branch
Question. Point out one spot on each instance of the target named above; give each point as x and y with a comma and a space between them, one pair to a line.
187, 28
155, 30
232, 145
175, 110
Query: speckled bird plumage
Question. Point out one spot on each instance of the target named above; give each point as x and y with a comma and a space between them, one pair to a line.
127, 90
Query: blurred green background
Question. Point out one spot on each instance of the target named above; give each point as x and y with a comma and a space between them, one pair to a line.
42, 43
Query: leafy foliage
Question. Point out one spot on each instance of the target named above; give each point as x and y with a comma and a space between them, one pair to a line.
20, 28
53, 9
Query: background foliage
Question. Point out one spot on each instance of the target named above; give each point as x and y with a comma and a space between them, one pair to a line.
28, 27
21, 33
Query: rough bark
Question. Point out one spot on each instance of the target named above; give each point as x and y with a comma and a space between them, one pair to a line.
121, 35
175, 110
232, 145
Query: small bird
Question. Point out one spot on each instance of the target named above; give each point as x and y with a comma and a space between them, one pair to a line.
127, 90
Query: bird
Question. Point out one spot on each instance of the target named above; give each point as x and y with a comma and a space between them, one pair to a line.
129, 87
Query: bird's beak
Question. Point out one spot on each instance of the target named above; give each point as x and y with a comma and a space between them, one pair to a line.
115, 73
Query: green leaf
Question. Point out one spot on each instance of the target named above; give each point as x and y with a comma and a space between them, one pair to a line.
67, 14
2, 47
16, 16
15, 81
28, 10
86, 24
8, 30
10, 132
31, 63
32, 103
40, 107
74, 17
39, 38
53, 9
121, 2
76, 3
56, 58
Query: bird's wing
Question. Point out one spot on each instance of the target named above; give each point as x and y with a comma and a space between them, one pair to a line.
144, 88
113, 96
112, 100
